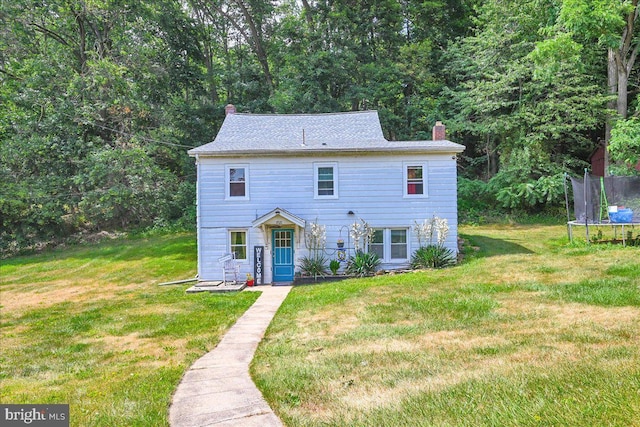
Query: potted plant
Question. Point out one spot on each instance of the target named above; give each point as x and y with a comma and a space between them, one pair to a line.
249, 279
340, 243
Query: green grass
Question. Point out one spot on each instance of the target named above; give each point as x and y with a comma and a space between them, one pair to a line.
90, 326
528, 331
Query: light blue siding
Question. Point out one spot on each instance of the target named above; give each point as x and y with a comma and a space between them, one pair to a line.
369, 185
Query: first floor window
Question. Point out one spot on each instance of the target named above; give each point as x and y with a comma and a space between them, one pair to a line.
238, 239
398, 244
390, 244
377, 243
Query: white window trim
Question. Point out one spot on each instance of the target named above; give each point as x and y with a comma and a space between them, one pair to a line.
386, 245
317, 166
227, 182
406, 243
230, 249
425, 180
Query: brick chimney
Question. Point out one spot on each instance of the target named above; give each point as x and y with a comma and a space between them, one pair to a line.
229, 109
439, 132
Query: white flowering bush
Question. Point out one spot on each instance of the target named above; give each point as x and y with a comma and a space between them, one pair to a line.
432, 254
362, 264
361, 234
315, 237
435, 227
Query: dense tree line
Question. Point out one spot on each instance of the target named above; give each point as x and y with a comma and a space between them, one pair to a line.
100, 100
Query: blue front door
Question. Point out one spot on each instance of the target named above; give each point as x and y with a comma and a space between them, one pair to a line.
282, 255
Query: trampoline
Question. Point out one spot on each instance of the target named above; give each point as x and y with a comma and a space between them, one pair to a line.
611, 202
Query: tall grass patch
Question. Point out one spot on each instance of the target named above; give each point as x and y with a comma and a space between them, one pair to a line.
612, 292
562, 396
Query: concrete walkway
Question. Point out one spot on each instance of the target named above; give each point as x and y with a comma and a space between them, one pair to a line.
217, 390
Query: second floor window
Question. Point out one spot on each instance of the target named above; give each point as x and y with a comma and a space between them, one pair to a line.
237, 182
415, 185
415, 180
326, 180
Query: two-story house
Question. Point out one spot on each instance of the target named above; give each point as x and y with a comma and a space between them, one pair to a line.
266, 177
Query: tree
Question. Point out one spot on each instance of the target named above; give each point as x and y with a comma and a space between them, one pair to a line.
82, 79
384, 55
613, 25
528, 126
250, 20
625, 145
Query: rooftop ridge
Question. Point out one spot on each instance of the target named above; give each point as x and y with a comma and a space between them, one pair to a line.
352, 131
335, 113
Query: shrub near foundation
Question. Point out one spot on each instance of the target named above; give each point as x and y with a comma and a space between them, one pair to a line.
314, 266
432, 256
363, 264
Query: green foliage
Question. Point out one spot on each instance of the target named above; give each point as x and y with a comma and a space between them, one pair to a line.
625, 144
518, 187
432, 256
123, 188
506, 76
532, 121
527, 183
378, 55
602, 19
334, 266
94, 123
551, 54
529, 194
314, 265
475, 199
363, 264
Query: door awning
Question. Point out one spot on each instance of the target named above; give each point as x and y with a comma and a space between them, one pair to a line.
279, 218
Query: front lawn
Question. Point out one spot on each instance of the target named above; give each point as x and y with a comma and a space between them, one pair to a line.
528, 331
90, 326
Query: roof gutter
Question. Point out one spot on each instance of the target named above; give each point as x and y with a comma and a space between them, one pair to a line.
297, 153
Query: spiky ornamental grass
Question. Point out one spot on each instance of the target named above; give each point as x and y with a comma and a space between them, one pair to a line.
315, 264
432, 255
363, 264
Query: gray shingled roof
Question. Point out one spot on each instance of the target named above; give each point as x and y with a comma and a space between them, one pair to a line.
299, 133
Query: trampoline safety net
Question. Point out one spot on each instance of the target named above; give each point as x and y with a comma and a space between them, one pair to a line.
606, 199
